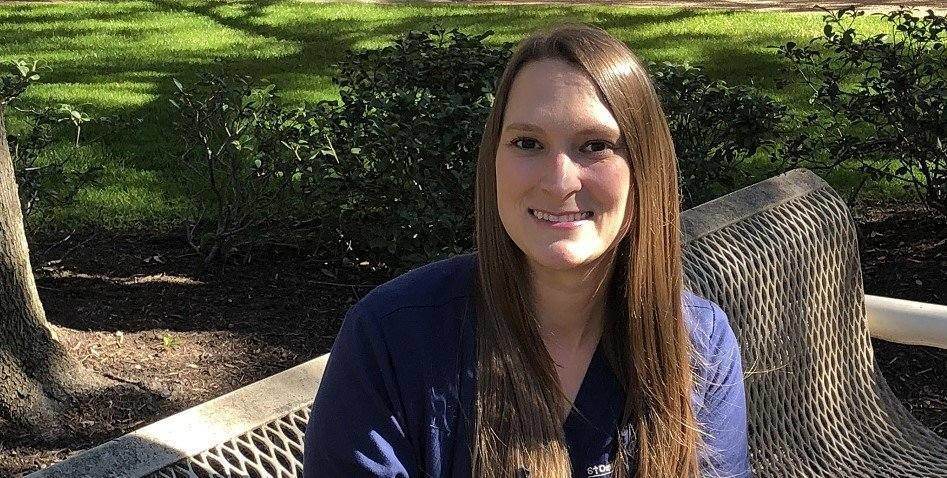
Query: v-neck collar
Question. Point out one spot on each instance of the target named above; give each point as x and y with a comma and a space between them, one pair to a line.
580, 404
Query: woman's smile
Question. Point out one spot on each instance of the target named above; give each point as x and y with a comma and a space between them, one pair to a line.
562, 220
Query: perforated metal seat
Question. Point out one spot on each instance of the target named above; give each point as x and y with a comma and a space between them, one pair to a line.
272, 450
780, 257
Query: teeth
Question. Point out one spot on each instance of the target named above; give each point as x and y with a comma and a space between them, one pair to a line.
564, 218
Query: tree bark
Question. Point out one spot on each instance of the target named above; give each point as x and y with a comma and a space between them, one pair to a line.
39, 380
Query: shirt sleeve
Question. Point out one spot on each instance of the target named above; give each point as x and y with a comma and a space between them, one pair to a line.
356, 427
723, 414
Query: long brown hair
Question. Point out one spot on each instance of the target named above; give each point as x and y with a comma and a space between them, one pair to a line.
519, 402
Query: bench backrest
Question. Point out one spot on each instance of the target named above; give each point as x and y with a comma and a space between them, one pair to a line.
781, 258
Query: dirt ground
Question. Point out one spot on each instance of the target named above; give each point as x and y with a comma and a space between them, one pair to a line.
137, 308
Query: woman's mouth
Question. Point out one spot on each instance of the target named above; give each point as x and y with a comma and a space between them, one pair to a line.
567, 218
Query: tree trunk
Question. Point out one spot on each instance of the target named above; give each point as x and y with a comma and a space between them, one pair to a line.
39, 380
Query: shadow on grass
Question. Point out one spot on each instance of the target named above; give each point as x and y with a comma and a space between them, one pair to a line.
297, 44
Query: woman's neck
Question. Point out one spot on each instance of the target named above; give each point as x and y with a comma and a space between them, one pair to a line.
569, 305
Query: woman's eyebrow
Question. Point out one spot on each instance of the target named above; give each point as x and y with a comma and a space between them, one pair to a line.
599, 131
528, 127
591, 130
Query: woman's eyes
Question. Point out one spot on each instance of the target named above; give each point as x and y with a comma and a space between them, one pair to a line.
526, 143
595, 147
599, 146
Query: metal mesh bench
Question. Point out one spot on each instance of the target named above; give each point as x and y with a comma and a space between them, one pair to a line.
781, 259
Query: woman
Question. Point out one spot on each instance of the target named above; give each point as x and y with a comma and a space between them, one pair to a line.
566, 346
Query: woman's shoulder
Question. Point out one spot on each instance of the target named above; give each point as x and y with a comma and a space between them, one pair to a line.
420, 308
389, 373
704, 316
430, 285
711, 334
719, 394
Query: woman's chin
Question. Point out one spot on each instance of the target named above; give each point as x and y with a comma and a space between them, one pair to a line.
563, 257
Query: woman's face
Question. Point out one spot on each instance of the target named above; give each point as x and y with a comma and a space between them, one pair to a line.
562, 186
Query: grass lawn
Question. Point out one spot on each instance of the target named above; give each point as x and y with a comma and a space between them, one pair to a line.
119, 58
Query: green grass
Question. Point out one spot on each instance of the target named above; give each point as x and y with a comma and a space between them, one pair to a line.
119, 58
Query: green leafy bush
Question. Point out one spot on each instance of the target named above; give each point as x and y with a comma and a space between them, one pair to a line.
43, 180
244, 164
882, 99
716, 128
387, 173
14, 82
411, 117
407, 131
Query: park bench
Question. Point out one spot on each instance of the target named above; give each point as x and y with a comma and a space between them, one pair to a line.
780, 257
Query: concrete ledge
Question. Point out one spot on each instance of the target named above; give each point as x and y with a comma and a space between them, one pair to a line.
196, 429
907, 322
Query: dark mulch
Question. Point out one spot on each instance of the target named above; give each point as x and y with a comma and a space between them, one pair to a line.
904, 255
137, 307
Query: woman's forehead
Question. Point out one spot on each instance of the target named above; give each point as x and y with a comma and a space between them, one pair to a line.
554, 94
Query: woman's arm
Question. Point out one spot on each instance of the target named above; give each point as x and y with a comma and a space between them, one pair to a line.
723, 412
356, 428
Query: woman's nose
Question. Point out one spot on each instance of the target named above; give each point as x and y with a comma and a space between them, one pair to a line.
561, 178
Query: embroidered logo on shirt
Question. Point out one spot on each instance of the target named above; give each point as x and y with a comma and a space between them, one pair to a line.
600, 470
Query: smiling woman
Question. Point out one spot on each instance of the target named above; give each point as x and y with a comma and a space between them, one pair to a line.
566, 345
562, 181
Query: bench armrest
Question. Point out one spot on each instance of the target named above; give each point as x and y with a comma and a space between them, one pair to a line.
906, 321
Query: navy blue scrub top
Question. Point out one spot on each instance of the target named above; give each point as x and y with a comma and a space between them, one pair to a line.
398, 390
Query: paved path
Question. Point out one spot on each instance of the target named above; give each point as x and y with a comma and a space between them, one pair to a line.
939, 6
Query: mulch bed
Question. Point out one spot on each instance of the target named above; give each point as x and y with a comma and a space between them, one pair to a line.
137, 308
904, 255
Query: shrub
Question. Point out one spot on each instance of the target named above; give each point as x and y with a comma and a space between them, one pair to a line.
882, 99
43, 180
716, 128
238, 146
407, 132
411, 117
14, 82
388, 172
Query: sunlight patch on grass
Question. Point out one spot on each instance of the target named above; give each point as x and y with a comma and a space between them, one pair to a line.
103, 96
118, 59
133, 198
123, 197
